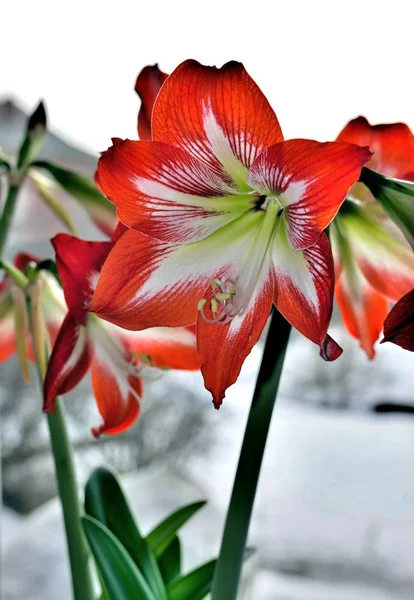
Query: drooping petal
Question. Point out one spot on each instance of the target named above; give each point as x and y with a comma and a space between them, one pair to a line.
165, 347
79, 263
68, 362
363, 309
386, 261
220, 116
165, 192
304, 287
311, 180
118, 411
147, 86
391, 143
222, 348
399, 324
115, 377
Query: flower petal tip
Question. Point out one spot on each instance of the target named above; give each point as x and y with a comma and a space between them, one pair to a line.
330, 350
97, 432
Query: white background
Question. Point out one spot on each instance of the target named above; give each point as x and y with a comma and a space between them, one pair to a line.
319, 63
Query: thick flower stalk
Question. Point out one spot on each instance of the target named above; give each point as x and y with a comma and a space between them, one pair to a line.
373, 261
225, 220
117, 359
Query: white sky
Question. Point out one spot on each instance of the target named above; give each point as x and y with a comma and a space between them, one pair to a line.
319, 63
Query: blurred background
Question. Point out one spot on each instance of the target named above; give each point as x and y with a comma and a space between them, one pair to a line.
334, 516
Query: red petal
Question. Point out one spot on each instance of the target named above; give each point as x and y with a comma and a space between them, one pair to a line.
164, 191
120, 295
399, 324
7, 336
147, 86
218, 115
223, 348
118, 401
79, 264
68, 362
304, 289
363, 308
392, 145
22, 259
166, 347
311, 179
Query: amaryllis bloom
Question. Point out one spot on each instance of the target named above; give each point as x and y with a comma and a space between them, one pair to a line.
225, 220
115, 357
374, 263
399, 324
14, 326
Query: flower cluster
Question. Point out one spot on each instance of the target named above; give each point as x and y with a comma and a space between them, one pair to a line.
220, 219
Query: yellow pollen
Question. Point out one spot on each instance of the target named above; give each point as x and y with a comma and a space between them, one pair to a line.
214, 305
201, 303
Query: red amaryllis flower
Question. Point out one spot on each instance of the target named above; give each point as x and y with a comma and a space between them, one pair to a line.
115, 357
226, 219
399, 324
374, 263
147, 86
14, 330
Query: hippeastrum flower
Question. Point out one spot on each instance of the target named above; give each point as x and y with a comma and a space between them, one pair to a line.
399, 324
147, 86
14, 326
226, 218
374, 263
115, 357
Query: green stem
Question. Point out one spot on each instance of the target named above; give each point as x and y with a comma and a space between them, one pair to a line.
229, 564
7, 216
69, 497
77, 545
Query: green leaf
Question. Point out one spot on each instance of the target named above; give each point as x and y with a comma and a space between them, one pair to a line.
44, 188
193, 586
396, 197
170, 561
34, 138
163, 534
4, 163
83, 189
121, 577
105, 501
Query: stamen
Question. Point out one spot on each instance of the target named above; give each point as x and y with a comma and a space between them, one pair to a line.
220, 304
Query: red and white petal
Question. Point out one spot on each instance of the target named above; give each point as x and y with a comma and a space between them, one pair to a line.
118, 402
147, 86
304, 287
391, 143
363, 309
223, 348
165, 192
68, 362
79, 263
399, 324
311, 180
115, 377
220, 116
165, 347
386, 262
147, 283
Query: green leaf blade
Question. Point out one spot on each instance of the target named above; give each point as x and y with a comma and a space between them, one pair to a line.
121, 577
164, 533
193, 586
170, 561
105, 501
